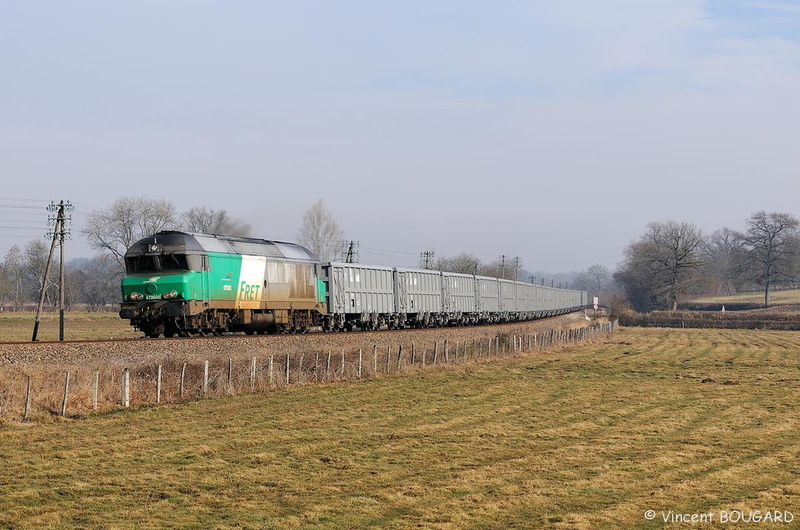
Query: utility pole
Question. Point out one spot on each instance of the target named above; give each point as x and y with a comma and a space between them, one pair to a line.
503, 266
517, 267
426, 259
58, 234
351, 255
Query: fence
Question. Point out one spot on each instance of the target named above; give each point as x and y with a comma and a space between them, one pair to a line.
80, 390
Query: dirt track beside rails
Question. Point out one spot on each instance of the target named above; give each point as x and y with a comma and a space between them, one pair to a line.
235, 346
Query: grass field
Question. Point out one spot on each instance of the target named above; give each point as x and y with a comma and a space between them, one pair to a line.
776, 298
79, 325
688, 421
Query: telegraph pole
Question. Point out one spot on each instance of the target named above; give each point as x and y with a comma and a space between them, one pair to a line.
59, 235
352, 253
426, 259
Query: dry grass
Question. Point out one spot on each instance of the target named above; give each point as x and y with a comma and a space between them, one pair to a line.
776, 298
78, 325
589, 437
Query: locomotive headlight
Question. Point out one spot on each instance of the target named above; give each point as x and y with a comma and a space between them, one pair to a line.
170, 295
136, 296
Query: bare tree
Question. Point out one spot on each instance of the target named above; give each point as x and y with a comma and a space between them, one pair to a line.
597, 280
771, 242
724, 260
209, 221
127, 220
34, 264
96, 282
661, 265
506, 268
464, 263
13, 277
321, 233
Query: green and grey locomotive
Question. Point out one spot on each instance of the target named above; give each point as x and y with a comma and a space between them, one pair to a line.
181, 283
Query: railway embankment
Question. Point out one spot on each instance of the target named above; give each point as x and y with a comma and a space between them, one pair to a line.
50, 380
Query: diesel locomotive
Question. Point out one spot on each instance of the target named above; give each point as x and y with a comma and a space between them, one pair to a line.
180, 283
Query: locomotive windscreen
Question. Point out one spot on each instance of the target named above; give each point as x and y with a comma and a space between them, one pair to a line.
165, 262
136, 264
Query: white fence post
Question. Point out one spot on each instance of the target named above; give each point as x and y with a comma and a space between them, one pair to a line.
126, 388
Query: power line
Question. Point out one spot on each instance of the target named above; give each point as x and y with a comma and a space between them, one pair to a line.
386, 252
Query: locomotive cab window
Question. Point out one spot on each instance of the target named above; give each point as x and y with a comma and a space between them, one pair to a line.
174, 262
163, 263
136, 264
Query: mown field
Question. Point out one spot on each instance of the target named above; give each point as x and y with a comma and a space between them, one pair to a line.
78, 325
776, 298
591, 436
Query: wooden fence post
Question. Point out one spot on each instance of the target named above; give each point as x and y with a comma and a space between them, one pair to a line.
126, 388
287, 368
205, 378
300, 368
388, 357
230, 376
328, 366
435, 352
26, 414
446, 352
66, 393
253, 375
374, 359
95, 389
158, 386
359, 363
341, 374
424, 354
183, 377
270, 371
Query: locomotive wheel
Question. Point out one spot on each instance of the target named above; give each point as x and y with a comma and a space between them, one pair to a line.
153, 331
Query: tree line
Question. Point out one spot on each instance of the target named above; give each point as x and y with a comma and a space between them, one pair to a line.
671, 260
94, 282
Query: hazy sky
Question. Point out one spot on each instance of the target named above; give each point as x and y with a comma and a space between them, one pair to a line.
550, 130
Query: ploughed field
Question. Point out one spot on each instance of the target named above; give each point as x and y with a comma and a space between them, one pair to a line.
653, 422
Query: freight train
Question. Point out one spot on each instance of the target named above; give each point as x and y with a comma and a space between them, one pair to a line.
180, 284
